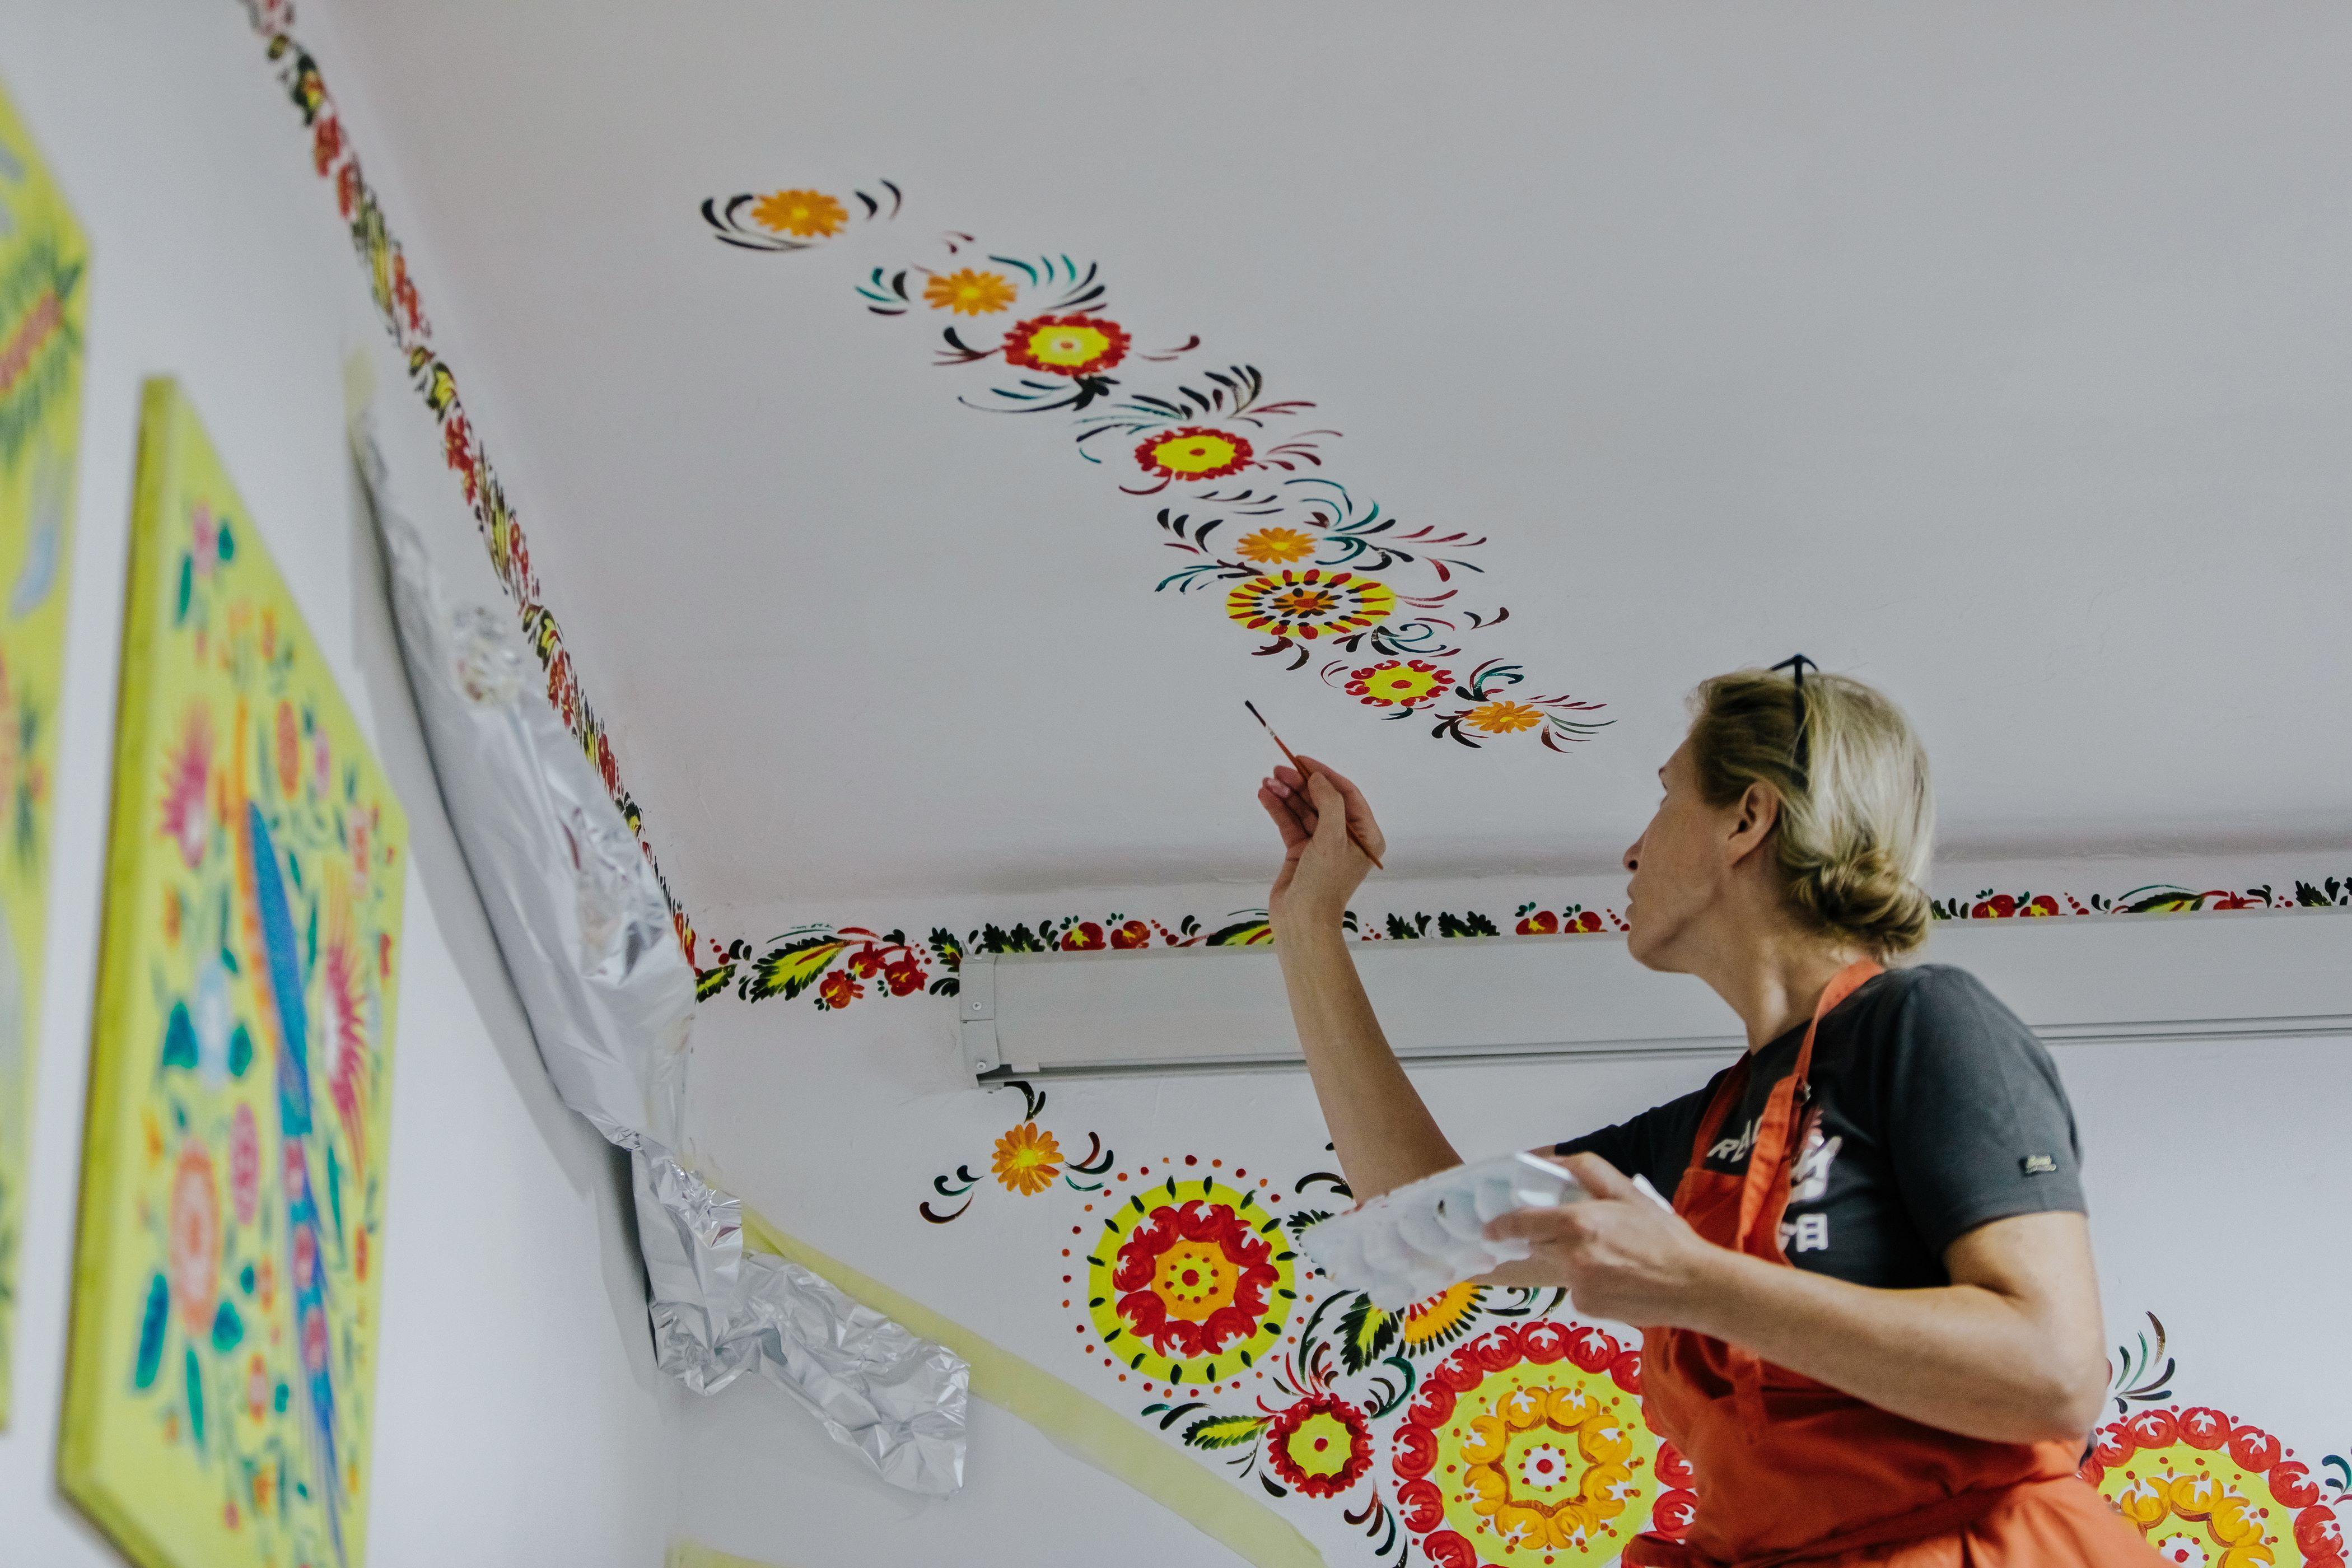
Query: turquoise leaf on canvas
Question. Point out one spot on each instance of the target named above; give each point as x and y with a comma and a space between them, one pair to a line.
153, 1321
240, 1052
228, 1329
179, 1038
225, 544
187, 589
195, 1377
244, 1278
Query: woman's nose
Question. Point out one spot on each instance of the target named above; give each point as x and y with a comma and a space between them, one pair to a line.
1631, 859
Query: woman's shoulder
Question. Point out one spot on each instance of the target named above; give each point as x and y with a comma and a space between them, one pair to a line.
1926, 1002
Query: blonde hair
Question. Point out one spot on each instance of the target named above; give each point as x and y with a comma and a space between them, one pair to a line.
1857, 818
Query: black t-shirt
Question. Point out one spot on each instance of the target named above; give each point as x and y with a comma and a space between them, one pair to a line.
1934, 1110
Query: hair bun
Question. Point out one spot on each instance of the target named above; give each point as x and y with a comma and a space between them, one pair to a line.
1867, 897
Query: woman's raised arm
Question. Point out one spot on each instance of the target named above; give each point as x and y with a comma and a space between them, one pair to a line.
1382, 1133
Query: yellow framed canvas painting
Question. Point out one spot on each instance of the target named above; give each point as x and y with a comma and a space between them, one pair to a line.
228, 1268
42, 265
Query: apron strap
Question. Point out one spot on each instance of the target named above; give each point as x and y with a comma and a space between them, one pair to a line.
1769, 1176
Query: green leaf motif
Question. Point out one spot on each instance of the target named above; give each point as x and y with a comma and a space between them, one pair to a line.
794, 967
1246, 934
1365, 1333
1223, 1431
153, 1321
709, 983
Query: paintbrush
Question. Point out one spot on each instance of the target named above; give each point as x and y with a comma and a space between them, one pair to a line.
1303, 774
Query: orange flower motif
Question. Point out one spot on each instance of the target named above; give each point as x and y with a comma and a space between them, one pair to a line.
969, 292
290, 749
1276, 546
806, 215
1503, 717
1027, 1160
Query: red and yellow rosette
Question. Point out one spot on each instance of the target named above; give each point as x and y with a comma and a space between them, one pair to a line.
1526, 1447
1190, 1281
2206, 1490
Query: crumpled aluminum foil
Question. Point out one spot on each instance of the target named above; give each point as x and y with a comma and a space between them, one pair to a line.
585, 932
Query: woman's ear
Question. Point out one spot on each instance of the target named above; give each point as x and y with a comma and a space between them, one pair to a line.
1752, 824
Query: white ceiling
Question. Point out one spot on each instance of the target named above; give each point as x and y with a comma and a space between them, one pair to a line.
1995, 353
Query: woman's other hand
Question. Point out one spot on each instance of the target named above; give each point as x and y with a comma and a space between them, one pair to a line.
1620, 1254
1322, 864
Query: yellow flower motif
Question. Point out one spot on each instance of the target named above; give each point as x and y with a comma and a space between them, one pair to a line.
1321, 1445
1027, 1160
1276, 546
1192, 452
808, 215
969, 292
1440, 1318
1068, 343
1500, 718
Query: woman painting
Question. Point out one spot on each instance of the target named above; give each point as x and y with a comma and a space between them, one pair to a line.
1871, 1321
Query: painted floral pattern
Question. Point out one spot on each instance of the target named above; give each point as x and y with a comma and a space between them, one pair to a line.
224, 1327
400, 307
2205, 1487
1026, 1161
1190, 1281
1525, 1446
1255, 503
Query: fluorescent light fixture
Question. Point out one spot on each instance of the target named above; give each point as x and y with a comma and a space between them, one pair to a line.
2250, 975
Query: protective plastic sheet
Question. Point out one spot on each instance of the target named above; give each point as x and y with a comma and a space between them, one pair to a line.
586, 935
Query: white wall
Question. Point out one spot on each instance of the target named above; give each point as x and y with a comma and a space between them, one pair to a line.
520, 1419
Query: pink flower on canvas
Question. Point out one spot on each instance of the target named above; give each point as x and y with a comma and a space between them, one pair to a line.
244, 1164
320, 760
205, 549
183, 819
196, 1237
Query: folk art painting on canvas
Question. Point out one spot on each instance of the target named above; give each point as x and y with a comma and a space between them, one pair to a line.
229, 1258
42, 265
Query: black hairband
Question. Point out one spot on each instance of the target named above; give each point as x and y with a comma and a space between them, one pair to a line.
1799, 754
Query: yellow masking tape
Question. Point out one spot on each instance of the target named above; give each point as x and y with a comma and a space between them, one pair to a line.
694, 1554
1081, 1425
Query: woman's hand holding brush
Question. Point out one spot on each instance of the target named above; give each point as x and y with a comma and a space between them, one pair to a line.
1329, 842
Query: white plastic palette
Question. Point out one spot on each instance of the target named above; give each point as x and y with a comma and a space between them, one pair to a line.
1413, 1242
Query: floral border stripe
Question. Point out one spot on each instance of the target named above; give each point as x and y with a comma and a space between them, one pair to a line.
1287, 552
836, 965
402, 309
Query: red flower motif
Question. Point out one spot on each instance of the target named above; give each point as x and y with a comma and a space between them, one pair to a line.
1625, 1372
867, 962
905, 976
326, 143
347, 187
1421, 1505
839, 989
1066, 345
1673, 1470
2153, 1429
1672, 1514
2255, 1448
1195, 452
1321, 1446
1136, 1273
1133, 935
1084, 937
1448, 1550
1543, 922
2203, 1428
1593, 1349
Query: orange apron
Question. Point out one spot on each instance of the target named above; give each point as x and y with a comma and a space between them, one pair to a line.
1792, 1471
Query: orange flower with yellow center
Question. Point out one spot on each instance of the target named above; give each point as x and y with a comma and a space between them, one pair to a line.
1502, 717
969, 292
1027, 1160
1276, 546
1441, 1317
806, 215
1195, 452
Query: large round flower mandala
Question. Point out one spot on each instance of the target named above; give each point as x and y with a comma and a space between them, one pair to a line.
1526, 1447
1320, 1445
1195, 452
1310, 603
2204, 1488
1066, 345
1190, 1281
1398, 683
